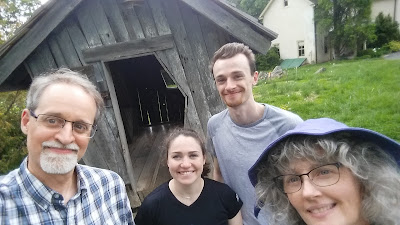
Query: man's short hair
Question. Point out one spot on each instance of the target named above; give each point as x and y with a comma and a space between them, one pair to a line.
62, 76
230, 50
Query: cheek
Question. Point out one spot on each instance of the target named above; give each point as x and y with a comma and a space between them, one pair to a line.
295, 200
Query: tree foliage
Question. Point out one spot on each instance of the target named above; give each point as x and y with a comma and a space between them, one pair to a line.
347, 23
13, 13
268, 61
386, 30
253, 7
12, 144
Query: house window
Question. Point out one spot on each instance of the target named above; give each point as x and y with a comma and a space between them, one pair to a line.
326, 45
301, 48
285, 2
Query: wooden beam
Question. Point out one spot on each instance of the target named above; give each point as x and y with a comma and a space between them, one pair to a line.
39, 31
121, 129
129, 49
228, 22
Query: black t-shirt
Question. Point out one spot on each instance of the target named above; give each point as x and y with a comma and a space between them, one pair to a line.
216, 204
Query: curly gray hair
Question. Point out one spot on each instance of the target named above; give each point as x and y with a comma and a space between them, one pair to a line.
377, 172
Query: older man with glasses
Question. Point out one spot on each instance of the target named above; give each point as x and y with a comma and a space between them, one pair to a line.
50, 187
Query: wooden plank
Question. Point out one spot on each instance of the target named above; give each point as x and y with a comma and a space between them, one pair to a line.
93, 156
115, 19
87, 25
56, 51
128, 49
37, 33
67, 48
196, 40
161, 27
133, 25
225, 20
210, 35
148, 171
101, 22
45, 57
35, 66
78, 39
174, 64
178, 29
146, 20
125, 149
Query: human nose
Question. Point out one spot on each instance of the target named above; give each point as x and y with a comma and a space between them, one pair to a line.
185, 162
308, 187
230, 84
65, 134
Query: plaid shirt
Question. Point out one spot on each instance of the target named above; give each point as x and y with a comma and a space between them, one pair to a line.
101, 199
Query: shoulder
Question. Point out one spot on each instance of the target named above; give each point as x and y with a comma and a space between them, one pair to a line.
227, 197
157, 195
97, 175
216, 119
218, 187
8, 183
154, 202
274, 113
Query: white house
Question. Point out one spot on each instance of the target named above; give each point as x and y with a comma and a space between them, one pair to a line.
387, 7
298, 36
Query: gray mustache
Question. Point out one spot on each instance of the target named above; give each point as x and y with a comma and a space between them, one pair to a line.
56, 144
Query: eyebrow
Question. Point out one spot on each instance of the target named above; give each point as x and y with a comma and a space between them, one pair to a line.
60, 115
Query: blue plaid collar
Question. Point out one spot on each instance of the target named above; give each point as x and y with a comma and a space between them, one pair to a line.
39, 192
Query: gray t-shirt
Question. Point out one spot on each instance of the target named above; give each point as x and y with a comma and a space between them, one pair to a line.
238, 147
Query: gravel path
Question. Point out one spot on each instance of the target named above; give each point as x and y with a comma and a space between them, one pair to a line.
394, 55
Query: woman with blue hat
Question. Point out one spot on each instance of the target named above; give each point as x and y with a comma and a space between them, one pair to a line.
324, 172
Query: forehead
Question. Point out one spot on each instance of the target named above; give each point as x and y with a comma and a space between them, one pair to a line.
238, 62
67, 99
302, 165
184, 144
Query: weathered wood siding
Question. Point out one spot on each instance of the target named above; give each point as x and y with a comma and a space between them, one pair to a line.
180, 39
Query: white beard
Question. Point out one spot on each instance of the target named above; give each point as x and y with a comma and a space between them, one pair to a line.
54, 163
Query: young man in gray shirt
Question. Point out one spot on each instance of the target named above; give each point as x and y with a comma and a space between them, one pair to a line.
240, 133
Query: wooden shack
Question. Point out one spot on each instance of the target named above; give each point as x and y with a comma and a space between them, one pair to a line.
148, 58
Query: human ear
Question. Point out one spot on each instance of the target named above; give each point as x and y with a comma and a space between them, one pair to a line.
25, 121
255, 78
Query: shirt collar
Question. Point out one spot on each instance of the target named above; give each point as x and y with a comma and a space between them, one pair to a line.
39, 192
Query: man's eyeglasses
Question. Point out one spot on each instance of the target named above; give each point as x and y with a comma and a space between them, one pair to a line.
322, 176
56, 123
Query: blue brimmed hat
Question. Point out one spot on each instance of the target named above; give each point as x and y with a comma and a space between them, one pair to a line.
325, 126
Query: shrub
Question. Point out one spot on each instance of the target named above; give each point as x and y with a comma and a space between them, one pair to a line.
268, 61
386, 30
394, 46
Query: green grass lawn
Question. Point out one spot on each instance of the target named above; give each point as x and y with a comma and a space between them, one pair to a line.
362, 93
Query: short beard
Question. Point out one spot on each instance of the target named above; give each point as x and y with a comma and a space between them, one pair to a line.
54, 163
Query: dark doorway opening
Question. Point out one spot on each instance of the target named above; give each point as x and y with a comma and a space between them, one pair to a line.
147, 95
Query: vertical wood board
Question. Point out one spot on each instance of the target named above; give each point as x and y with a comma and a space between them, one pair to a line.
114, 16
56, 51
195, 37
67, 48
187, 55
87, 24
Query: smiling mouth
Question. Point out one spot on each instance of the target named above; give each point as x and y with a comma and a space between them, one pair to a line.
61, 150
321, 209
186, 172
